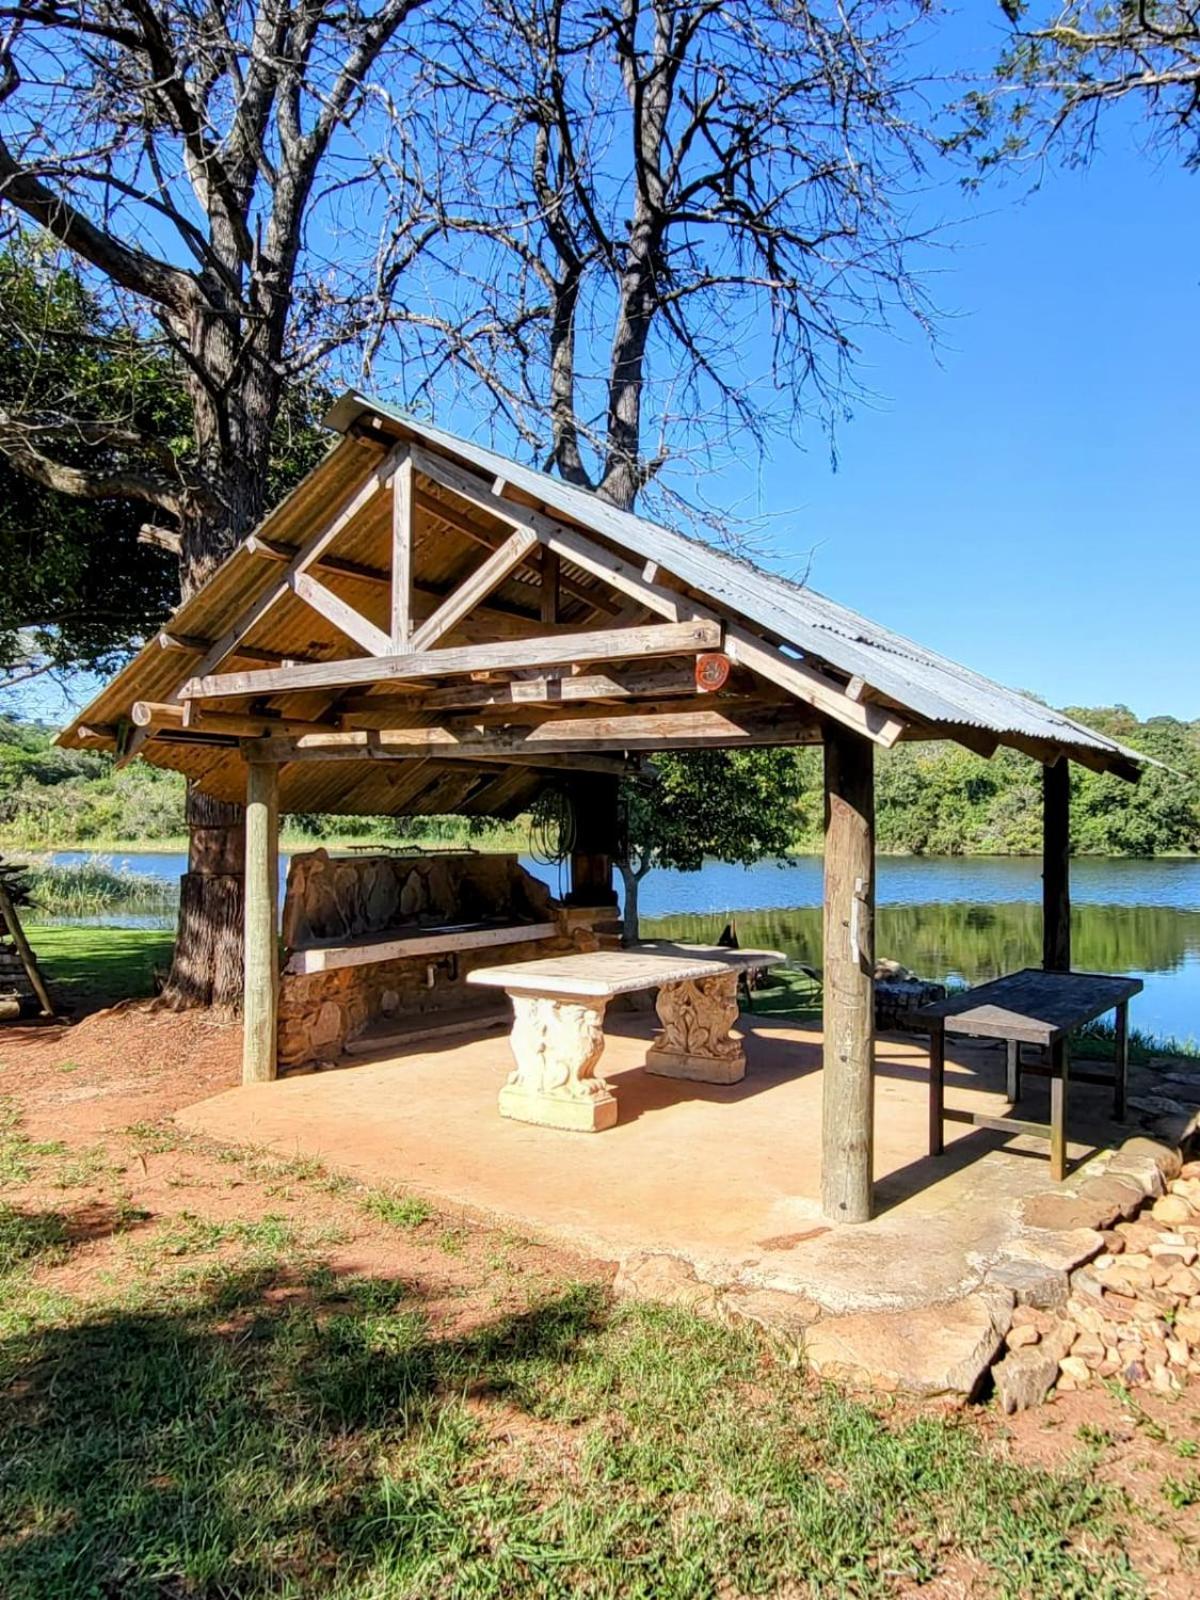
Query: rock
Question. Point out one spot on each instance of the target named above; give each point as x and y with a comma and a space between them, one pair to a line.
667, 1280
1175, 1255
1090, 1348
1113, 1194
1177, 1352
1133, 1373
1142, 1170
1140, 1235
1023, 1334
1088, 1284
1060, 1338
1189, 1188
1062, 1213
1114, 1242
1024, 1378
1190, 1169
1031, 1283
1165, 1157
1173, 1208
1077, 1369
1064, 1249
1090, 1319
1165, 1381
939, 1350
1133, 1261
774, 1310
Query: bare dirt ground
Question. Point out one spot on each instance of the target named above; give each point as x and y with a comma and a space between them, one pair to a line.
111, 1082
106, 1088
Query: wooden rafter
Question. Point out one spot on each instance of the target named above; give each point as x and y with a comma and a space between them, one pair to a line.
550, 688
309, 552
402, 555
455, 518
343, 616
474, 589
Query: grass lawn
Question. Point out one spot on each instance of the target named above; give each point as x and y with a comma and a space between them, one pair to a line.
201, 1400
84, 964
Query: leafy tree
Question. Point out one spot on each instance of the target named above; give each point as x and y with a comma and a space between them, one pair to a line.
734, 805
89, 578
1070, 61
82, 589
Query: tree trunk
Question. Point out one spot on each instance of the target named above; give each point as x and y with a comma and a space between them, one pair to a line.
233, 446
632, 882
206, 969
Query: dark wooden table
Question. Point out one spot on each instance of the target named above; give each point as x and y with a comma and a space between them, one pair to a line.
1032, 1007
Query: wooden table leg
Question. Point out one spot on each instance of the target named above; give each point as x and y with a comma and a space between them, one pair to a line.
1060, 1069
1121, 1064
937, 1088
1014, 1070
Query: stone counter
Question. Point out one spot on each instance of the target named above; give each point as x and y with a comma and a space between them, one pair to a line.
339, 899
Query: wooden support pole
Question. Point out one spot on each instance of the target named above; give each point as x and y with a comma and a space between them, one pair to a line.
261, 922
848, 1090
1056, 866
597, 826
402, 555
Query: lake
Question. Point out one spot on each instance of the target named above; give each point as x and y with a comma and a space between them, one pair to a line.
945, 917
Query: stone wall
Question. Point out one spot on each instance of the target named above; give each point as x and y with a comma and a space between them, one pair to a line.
338, 899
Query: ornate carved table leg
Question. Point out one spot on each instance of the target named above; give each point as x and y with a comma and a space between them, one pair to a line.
695, 1039
556, 1045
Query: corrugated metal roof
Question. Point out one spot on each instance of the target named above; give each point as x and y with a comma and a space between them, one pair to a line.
931, 686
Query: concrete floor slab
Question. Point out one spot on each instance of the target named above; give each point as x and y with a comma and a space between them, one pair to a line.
726, 1177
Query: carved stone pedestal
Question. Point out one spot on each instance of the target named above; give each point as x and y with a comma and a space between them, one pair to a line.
556, 1044
695, 1040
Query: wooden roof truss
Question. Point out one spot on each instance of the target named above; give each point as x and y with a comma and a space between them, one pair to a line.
469, 632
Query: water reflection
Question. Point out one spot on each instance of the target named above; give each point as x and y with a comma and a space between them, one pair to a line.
969, 918
977, 941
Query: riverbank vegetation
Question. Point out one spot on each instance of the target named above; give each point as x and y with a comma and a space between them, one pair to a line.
933, 799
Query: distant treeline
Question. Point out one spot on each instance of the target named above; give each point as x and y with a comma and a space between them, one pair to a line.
932, 799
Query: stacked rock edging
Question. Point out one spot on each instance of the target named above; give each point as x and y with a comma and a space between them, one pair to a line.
1098, 1279
1132, 1312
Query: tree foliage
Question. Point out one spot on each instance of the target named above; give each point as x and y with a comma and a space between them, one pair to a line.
734, 805
1067, 64
84, 588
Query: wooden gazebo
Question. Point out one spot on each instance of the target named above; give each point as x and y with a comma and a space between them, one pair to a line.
424, 626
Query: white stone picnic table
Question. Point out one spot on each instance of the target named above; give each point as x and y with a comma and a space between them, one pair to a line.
557, 1035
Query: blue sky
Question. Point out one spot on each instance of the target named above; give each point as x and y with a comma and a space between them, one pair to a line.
1026, 499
